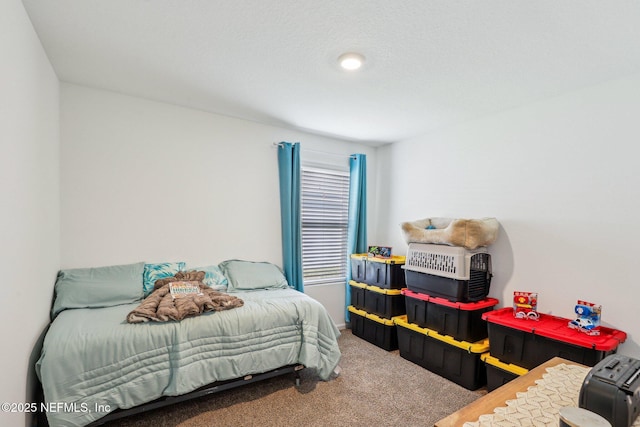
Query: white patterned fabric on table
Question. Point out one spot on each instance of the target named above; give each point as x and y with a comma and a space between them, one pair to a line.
540, 404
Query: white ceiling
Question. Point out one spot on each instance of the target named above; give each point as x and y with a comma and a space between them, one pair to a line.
429, 63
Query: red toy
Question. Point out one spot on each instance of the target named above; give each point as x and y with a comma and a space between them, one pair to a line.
525, 305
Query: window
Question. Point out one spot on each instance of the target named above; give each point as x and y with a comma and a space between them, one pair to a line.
325, 217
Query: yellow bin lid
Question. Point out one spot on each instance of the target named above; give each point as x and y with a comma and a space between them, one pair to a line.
370, 316
375, 288
384, 291
358, 284
481, 346
394, 259
494, 361
357, 311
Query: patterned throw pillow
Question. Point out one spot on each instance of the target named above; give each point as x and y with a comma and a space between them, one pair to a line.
213, 277
153, 272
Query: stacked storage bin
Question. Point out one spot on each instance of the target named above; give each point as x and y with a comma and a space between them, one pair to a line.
499, 372
517, 345
462, 321
376, 298
458, 361
445, 299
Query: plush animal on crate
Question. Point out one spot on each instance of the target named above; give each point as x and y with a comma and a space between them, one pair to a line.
467, 233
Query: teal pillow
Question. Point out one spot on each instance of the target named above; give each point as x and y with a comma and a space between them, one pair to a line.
213, 277
247, 275
153, 272
98, 287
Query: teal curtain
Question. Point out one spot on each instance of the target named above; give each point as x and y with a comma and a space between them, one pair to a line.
289, 171
357, 229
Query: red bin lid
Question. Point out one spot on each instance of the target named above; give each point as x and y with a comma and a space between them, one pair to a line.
556, 328
467, 306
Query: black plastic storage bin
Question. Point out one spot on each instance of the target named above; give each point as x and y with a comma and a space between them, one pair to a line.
462, 321
358, 267
454, 273
500, 373
416, 306
358, 291
382, 272
458, 361
385, 303
385, 272
374, 329
529, 343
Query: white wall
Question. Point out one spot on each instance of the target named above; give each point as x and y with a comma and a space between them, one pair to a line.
562, 178
147, 181
30, 208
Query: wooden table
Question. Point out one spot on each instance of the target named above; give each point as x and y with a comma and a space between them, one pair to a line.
498, 397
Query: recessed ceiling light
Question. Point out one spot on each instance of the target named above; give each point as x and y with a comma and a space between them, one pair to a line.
351, 61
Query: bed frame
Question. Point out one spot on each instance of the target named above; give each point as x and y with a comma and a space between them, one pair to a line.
212, 388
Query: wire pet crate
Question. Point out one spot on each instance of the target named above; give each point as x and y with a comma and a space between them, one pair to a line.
450, 272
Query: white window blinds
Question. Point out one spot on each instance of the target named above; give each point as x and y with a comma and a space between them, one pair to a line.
325, 217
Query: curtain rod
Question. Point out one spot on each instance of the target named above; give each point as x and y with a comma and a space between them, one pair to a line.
351, 156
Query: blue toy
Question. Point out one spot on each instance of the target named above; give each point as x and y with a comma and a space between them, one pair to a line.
588, 320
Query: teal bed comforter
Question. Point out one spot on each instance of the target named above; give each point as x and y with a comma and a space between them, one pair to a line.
93, 362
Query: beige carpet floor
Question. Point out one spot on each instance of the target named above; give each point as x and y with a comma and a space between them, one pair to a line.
374, 388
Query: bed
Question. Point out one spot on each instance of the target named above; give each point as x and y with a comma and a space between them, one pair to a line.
94, 362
